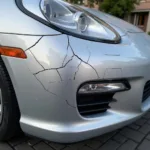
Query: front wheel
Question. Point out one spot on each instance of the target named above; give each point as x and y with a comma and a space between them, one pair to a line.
9, 110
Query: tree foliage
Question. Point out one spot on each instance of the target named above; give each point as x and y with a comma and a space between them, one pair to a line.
91, 3
119, 8
76, 2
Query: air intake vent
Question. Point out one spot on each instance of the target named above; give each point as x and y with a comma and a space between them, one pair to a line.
146, 93
91, 104
94, 97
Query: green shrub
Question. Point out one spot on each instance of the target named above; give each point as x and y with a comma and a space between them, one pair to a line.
149, 33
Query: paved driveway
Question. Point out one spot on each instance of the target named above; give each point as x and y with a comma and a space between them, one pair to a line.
135, 136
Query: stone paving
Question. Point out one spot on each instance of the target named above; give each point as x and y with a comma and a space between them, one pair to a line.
136, 136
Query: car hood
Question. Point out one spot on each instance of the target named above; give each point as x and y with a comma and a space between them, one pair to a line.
121, 26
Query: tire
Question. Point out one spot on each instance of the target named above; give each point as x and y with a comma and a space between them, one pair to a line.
9, 123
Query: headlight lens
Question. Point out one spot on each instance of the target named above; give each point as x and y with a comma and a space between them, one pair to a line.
69, 19
77, 21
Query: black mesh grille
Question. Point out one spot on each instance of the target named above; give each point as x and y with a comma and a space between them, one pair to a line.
91, 104
146, 92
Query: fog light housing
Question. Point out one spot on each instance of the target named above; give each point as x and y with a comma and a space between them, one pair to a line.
102, 87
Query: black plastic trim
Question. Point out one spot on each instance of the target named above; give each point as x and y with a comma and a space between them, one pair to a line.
80, 98
117, 40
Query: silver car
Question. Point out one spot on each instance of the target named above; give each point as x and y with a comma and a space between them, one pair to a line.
69, 73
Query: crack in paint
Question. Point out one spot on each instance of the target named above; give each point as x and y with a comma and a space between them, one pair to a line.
83, 60
89, 65
62, 66
69, 104
59, 75
77, 70
36, 59
40, 40
89, 56
44, 87
34, 43
66, 54
55, 68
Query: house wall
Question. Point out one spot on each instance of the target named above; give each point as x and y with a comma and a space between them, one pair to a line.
148, 24
140, 19
142, 8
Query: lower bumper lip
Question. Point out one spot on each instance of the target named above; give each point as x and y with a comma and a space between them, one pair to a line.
76, 132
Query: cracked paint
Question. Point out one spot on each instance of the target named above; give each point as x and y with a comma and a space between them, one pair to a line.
68, 72
44, 86
69, 104
89, 65
34, 43
48, 77
19, 41
60, 66
89, 57
80, 49
35, 67
69, 55
49, 52
36, 59
64, 62
59, 75
86, 62
77, 70
55, 68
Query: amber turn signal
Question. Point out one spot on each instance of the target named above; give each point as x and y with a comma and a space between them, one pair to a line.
12, 52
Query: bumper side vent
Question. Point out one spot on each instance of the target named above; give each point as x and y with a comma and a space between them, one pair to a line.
91, 104
146, 93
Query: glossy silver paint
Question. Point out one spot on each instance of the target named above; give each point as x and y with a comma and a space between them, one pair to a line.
57, 64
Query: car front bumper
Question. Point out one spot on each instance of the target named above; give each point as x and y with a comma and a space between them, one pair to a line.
46, 84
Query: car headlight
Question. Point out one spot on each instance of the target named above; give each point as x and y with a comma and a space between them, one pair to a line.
73, 20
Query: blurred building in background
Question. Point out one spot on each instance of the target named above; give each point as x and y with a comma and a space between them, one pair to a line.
141, 16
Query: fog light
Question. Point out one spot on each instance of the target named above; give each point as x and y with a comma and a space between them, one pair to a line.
102, 87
